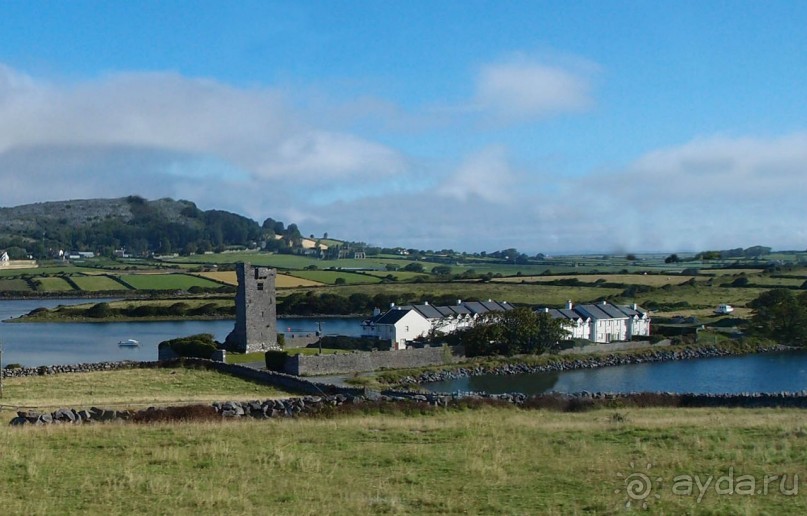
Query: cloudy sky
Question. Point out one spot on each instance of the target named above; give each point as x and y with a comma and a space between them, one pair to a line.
562, 126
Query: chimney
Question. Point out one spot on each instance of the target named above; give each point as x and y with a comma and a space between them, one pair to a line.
392, 305
635, 306
426, 303
546, 310
376, 311
604, 302
459, 302
569, 305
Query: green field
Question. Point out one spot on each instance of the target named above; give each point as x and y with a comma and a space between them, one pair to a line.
480, 461
11, 285
167, 281
53, 284
330, 277
133, 388
97, 283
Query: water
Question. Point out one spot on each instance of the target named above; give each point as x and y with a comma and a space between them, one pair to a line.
34, 344
768, 372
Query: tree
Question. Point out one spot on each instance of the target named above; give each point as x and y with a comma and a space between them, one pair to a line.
441, 270
673, 258
782, 315
513, 332
414, 267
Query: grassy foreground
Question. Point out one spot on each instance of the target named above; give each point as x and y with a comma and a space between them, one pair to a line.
488, 460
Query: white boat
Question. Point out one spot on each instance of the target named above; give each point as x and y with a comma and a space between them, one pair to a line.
129, 343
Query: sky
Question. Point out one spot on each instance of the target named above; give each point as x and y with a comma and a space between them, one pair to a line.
570, 126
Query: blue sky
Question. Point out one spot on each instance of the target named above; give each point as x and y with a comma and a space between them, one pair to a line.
574, 126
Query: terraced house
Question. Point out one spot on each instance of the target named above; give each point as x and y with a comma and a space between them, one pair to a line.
400, 325
603, 322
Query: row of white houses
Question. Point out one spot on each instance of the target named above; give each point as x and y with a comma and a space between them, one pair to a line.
601, 322
402, 324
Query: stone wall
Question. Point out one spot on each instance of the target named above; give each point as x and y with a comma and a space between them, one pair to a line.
613, 346
344, 363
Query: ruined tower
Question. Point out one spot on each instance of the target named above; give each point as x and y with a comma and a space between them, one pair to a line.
255, 310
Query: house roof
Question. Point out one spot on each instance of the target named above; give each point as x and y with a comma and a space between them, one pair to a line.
427, 311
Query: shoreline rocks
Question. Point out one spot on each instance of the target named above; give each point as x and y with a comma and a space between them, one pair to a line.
588, 362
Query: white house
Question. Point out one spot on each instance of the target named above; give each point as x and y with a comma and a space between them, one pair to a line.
579, 327
603, 322
4, 258
402, 324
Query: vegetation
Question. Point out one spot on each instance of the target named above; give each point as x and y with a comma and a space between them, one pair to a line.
194, 346
782, 315
518, 331
407, 462
130, 387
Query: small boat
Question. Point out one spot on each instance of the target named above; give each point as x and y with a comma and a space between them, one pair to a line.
129, 343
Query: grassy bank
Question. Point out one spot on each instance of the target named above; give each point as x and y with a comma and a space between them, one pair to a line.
488, 460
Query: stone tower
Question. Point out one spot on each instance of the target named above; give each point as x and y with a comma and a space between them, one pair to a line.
255, 310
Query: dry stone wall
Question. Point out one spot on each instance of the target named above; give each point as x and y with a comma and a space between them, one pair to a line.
358, 361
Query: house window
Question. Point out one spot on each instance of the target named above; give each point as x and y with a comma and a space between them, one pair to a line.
260, 286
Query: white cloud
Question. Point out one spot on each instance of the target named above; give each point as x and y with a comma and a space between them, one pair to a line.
252, 129
484, 175
525, 89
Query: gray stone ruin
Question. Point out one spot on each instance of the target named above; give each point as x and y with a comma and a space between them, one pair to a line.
255, 311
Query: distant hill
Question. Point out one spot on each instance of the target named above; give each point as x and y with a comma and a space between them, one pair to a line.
136, 224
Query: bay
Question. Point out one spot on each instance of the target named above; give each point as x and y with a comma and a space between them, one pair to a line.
35, 344
764, 372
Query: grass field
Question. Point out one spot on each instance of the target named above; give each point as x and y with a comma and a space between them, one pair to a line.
167, 281
513, 293
484, 461
54, 284
330, 277
15, 284
97, 283
652, 280
135, 388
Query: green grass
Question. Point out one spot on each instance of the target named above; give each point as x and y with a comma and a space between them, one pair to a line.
53, 284
14, 285
485, 461
514, 293
97, 283
135, 387
167, 281
330, 277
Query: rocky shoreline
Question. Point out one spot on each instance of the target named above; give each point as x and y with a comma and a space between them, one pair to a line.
588, 362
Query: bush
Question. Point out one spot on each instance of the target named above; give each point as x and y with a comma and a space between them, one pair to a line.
275, 360
195, 346
99, 311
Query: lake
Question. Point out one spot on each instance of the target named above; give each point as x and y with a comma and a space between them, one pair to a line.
766, 372
34, 344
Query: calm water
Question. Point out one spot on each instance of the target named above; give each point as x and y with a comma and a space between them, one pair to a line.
33, 344
770, 372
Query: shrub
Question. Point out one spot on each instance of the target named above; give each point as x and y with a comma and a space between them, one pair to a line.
275, 360
194, 346
99, 311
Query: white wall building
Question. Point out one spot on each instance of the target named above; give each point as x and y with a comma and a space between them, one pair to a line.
402, 324
603, 322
